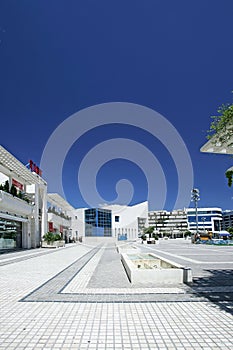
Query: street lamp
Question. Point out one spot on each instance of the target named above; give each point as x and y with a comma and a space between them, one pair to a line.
195, 197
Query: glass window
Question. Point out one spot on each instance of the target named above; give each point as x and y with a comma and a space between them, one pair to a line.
98, 222
10, 234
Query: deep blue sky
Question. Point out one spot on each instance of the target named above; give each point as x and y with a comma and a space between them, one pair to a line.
175, 57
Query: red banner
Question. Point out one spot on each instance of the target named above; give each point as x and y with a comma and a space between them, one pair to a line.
61, 229
17, 184
50, 226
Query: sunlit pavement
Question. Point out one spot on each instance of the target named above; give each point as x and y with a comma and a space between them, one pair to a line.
79, 297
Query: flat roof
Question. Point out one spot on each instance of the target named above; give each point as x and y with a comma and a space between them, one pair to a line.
14, 166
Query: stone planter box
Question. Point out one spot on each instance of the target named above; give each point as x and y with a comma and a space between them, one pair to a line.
55, 244
150, 268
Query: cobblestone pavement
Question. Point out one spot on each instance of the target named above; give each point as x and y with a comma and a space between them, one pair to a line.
78, 297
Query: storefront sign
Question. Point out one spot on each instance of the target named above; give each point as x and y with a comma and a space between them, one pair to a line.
17, 184
35, 168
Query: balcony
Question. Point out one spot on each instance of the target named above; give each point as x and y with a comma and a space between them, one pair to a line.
59, 220
14, 205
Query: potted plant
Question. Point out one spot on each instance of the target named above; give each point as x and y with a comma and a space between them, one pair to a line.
52, 240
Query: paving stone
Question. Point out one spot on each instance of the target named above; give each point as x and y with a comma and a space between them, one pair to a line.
38, 311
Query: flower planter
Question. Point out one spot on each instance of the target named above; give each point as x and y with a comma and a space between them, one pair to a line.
55, 244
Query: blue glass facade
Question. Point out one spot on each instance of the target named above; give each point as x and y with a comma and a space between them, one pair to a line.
98, 223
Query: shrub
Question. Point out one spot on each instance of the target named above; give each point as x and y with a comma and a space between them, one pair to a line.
51, 237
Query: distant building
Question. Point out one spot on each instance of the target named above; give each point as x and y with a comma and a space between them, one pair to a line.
209, 219
98, 223
172, 223
116, 222
60, 217
227, 219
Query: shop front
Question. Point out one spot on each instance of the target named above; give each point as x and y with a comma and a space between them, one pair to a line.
23, 201
10, 234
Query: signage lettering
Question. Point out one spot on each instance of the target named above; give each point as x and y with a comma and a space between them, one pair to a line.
34, 168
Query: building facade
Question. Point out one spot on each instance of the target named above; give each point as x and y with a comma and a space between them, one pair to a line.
60, 217
208, 219
227, 219
168, 223
118, 222
98, 223
23, 204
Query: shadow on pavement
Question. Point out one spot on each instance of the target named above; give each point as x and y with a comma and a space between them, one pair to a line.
217, 287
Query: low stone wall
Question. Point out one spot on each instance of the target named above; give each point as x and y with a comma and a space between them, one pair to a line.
127, 248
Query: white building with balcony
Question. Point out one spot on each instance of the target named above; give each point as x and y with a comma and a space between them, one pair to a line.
23, 202
168, 223
60, 217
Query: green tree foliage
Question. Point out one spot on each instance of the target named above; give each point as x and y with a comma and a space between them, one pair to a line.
229, 176
222, 126
221, 131
51, 237
6, 187
149, 230
13, 190
230, 230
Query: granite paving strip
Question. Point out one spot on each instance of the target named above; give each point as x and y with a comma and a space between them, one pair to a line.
81, 280
99, 276
109, 283
110, 272
55, 285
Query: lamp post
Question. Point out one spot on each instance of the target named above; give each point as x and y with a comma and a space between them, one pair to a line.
195, 198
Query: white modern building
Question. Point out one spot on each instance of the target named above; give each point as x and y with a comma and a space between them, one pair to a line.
208, 219
23, 203
169, 223
116, 222
60, 217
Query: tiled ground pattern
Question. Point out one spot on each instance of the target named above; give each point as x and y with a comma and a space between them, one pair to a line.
171, 324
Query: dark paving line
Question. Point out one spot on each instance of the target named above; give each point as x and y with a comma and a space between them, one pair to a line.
55, 285
118, 298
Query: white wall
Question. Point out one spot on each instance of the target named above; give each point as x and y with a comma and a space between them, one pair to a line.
128, 218
128, 222
78, 222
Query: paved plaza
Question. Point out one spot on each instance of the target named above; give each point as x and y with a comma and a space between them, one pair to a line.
79, 297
